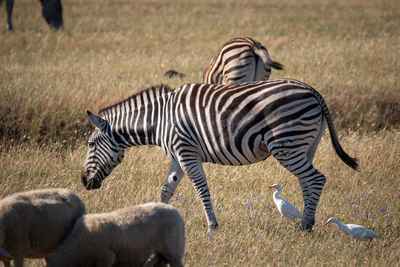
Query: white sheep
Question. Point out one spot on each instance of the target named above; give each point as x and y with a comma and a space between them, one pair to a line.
125, 237
34, 223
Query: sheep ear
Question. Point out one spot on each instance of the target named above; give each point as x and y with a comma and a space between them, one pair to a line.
4, 253
98, 122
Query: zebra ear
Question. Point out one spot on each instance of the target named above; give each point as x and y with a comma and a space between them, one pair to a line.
98, 122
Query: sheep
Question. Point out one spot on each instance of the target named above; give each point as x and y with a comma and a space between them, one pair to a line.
34, 223
146, 234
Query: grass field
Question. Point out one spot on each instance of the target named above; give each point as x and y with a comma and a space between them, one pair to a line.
109, 49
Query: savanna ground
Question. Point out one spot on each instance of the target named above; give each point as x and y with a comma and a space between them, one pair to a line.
349, 50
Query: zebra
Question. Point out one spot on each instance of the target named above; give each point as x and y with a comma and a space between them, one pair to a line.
240, 60
233, 124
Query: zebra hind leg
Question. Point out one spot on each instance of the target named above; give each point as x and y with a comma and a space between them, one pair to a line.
311, 183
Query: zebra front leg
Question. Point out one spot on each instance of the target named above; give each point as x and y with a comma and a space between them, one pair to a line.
174, 176
195, 172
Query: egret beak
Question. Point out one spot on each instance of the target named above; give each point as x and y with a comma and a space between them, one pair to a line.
325, 224
269, 186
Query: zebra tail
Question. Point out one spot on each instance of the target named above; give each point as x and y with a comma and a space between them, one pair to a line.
276, 65
262, 53
352, 162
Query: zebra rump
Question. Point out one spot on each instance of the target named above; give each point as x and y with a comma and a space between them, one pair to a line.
240, 60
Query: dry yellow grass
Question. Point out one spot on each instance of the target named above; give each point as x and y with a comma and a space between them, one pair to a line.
347, 50
251, 231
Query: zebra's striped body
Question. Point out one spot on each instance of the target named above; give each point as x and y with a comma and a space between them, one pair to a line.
225, 124
240, 60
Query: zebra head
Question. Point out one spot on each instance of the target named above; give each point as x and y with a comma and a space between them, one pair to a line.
103, 155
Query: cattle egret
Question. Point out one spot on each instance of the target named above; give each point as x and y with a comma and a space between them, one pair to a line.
284, 207
356, 231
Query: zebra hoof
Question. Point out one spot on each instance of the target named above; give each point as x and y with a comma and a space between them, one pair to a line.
306, 226
212, 226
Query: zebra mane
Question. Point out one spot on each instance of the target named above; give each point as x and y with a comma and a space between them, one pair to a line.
155, 90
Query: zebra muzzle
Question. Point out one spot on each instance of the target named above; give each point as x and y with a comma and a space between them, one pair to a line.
93, 183
90, 180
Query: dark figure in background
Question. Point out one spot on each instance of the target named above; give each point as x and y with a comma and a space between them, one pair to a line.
173, 73
51, 11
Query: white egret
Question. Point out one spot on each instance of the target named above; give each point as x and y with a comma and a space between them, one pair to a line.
354, 230
284, 207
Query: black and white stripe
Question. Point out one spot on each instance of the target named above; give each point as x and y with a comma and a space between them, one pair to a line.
226, 124
240, 60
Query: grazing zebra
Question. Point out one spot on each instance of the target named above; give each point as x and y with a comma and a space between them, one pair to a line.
51, 12
226, 124
240, 60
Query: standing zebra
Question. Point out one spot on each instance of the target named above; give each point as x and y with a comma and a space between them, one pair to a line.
226, 124
240, 60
